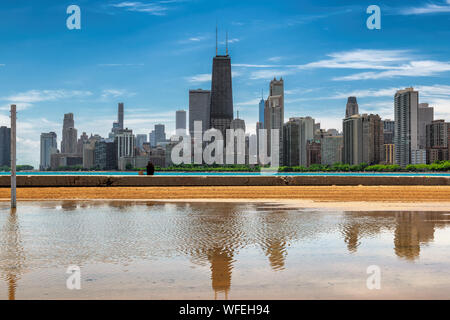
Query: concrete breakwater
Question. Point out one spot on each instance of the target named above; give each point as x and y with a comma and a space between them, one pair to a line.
198, 181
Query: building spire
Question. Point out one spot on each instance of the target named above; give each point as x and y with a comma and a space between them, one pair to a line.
217, 49
226, 43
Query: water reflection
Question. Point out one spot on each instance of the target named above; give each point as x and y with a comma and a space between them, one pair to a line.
59, 234
11, 250
412, 230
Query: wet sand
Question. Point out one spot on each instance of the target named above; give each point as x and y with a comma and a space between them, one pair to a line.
316, 193
435, 198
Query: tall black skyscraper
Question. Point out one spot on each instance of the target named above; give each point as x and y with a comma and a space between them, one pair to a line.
221, 93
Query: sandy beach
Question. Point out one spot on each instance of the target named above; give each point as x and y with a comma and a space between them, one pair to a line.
337, 197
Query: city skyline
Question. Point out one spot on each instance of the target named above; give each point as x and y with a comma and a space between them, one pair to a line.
318, 80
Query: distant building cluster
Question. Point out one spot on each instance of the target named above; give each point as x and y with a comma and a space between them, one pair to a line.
413, 137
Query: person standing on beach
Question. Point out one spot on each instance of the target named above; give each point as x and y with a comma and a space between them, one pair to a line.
150, 169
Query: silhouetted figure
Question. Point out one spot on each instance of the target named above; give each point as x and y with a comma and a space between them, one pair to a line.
150, 169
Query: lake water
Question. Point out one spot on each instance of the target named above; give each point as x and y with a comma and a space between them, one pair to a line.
140, 250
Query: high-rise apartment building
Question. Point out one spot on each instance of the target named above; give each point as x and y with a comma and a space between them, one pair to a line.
363, 139
331, 149
105, 154
69, 135
388, 131
291, 147
49, 146
373, 138
125, 142
297, 132
438, 141
406, 105
425, 117
5, 146
352, 107
353, 140
313, 153
180, 121
199, 109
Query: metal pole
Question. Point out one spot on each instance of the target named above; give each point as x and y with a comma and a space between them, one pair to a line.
13, 156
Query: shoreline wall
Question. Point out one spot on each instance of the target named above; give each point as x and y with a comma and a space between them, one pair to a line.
198, 181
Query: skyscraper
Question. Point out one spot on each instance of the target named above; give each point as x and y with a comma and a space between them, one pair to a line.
291, 147
49, 145
120, 115
389, 131
160, 133
274, 113
352, 107
406, 103
221, 94
125, 142
331, 149
5, 146
199, 109
181, 123
239, 153
363, 139
261, 111
425, 117
353, 140
297, 132
69, 135
373, 138
438, 141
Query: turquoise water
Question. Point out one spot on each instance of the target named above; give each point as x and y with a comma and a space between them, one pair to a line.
358, 174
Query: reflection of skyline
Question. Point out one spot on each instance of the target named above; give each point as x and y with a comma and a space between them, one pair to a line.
120, 232
411, 229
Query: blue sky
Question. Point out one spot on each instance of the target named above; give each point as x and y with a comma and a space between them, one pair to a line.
148, 54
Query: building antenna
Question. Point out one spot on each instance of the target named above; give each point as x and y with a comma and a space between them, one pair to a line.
238, 113
226, 41
217, 50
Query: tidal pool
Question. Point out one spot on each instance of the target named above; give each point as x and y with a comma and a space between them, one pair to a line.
194, 250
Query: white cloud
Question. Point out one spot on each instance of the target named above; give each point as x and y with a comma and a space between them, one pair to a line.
33, 96
275, 59
378, 64
428, 8
424, 68
115, 93
121, 65
206, 77
20, 106
154, 8
269, 74
199, 78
